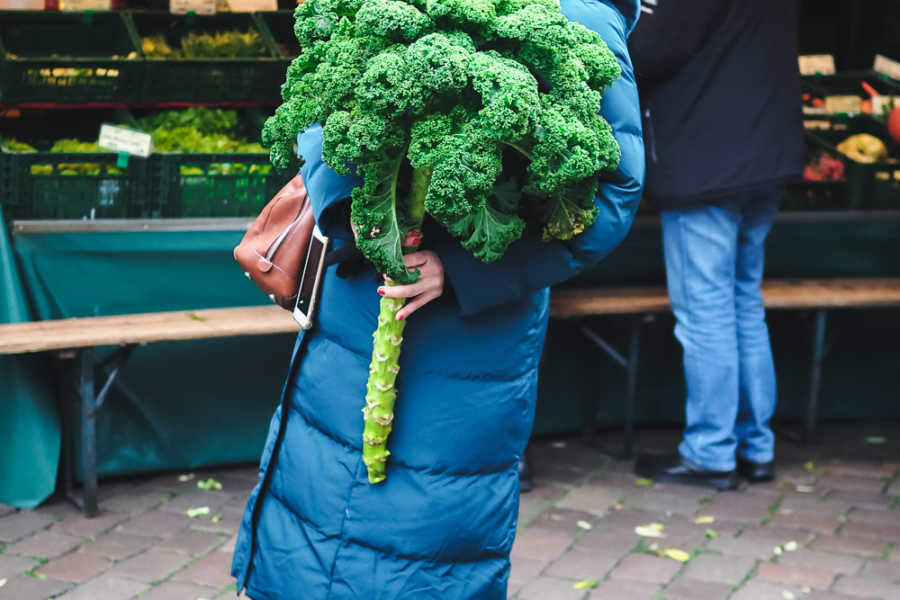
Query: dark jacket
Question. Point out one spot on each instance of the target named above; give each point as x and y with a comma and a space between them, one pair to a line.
441, 526
720, 97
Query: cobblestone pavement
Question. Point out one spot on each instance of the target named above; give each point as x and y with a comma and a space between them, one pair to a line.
827, 529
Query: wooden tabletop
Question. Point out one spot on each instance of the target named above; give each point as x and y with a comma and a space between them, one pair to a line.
779, 293
39, 336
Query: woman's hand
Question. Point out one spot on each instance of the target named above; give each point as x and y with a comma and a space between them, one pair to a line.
429, 286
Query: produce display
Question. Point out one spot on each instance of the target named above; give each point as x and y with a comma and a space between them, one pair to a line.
824, 168
864, 148
221, 44
482, 114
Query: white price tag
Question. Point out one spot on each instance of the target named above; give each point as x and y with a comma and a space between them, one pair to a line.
888, 66
119, 139
811, 64
201, 7
883, 104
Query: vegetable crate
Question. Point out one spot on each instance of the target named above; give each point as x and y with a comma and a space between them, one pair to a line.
281, 25
213, 185
866, 185
67, 58
211, 72
69, 185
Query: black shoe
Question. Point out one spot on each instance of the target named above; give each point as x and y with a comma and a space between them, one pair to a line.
674, 468
525, 483
756, 472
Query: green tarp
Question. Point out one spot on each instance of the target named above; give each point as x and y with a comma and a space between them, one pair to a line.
186, 404
29, 426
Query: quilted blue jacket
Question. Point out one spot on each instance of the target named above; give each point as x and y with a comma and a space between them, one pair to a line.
441, 526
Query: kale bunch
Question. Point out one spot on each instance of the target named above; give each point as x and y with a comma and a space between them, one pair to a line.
480, 113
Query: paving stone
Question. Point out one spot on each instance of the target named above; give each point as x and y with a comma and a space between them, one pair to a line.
15, 565
192, 543
757, 543
172, 590
155, 524
21, 524
694, 589
76, 567
683, 533
23, 587
863, 515
764, 590
214, 570
791, 575
57, 509
118, 546
871, 470
523, 570
44, 544
229, 519
621, 589
822, 523
882, 569
615, 532
843, 564
868, 587
564, 521
594, 499
106, 587
661, 503
134, 503
6, 509
644, 567
848, 545
584, 565
80, 526
718, 568
195, 498
229, 545
826, 505
862, 500
540, 544
851, 483
820, 595
735, 506
152, 565
884, 532
544, 588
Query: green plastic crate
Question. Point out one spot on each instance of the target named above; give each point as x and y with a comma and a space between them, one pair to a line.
867, 185
281, 25
44, 185
208, 80
67, 58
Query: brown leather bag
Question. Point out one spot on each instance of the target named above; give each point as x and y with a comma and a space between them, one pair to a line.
274, 247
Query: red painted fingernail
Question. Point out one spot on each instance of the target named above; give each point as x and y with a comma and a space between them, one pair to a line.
400, 317
381, 291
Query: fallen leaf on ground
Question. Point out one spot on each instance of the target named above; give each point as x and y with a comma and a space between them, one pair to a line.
585, 525
875, 439
209, 484
558, 445
2, 582
809, 465
216, 518
778, 551
185, 477
586, 584
197, 511
195, 316
705, 519
677, 554
788, 595
711, 534
653, 530
643, 481
790, 546
805, 489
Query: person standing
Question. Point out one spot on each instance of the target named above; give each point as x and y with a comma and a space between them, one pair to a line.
721, 103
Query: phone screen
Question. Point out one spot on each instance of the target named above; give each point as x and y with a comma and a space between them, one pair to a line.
310, 270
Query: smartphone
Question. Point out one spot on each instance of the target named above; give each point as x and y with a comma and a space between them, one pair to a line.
311, 279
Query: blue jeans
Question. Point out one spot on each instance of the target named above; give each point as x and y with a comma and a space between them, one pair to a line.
714, 266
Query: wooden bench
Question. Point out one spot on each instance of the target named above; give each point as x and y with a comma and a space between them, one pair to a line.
76, 338
818, 295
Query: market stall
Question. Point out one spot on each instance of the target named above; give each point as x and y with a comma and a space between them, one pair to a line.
97, 232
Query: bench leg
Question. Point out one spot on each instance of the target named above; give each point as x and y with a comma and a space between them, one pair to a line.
815, 375
88, 433
631, 384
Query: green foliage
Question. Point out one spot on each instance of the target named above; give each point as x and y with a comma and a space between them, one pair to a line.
11, 145
491, 105
219, 44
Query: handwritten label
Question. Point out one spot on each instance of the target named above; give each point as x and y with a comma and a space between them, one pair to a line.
882, 104
812, 64
888, 66
119, 139
843, 104
252, 5
200, 7
76, 5
21, 4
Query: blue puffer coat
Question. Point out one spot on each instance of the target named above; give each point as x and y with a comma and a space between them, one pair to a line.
442, 525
